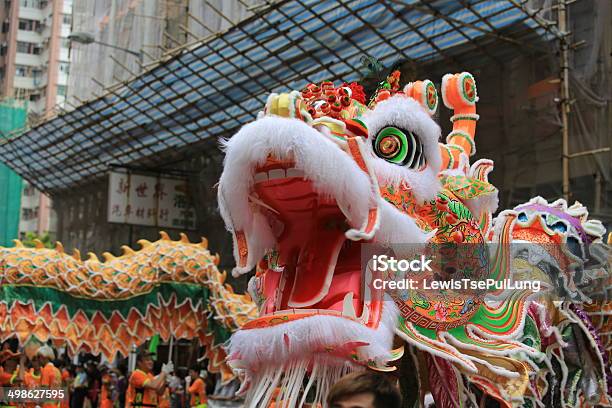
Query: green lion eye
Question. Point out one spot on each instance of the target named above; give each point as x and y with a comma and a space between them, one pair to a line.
400, 146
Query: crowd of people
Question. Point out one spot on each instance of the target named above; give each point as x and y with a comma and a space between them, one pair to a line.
91, 384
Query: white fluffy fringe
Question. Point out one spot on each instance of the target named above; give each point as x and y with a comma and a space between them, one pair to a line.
282, 356
289, 378
308, 336
333, 173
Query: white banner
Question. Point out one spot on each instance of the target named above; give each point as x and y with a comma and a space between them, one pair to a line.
150, 200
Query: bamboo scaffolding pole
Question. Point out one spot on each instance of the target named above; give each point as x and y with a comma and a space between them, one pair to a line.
565, 102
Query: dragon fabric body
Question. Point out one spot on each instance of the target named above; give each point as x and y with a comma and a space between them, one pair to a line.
168, 288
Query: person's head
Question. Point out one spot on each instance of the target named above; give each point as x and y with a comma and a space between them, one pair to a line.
364, 389
194, 372
45, 354
144, 361
7, 354
35, 362
10, 364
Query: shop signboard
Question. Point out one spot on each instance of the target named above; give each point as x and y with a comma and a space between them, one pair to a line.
155, 201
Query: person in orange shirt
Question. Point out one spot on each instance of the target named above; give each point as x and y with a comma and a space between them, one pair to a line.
30, 378
8, 373
8, 366
164, 398
197, 389
143, 386
106, 390
51, 376
66, 381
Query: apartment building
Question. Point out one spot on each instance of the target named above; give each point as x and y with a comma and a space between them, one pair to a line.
34, 66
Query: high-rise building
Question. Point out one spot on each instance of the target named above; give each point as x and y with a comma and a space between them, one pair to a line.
34, 65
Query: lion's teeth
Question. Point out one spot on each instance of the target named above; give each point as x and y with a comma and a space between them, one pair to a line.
348, 309
259, 177
295, 173
365, 315
276, 174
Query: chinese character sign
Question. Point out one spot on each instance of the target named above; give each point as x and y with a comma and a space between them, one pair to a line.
149, 200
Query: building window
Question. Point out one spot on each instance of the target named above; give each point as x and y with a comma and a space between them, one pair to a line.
30, 3
23, 47
29, 213
28, 48
21, 93
61, 90
21, 71
36, 73
27, 25
64, 67
67, 19
28, 190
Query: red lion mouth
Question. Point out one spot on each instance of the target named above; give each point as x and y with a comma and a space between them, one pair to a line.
320, 268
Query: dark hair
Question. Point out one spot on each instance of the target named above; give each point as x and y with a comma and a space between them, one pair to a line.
144, 355
386, 394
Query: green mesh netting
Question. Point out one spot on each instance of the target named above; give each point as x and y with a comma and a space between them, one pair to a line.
12, 117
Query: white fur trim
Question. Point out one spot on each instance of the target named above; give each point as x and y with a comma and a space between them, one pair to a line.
445, 80
289, 377
305, 338
464, 116
333, 172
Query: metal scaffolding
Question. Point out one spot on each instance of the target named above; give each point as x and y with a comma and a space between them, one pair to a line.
210, 87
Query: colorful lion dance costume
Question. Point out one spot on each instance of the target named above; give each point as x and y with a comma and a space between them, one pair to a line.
318, 174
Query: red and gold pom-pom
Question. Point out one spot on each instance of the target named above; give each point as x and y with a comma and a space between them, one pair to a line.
357, 92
